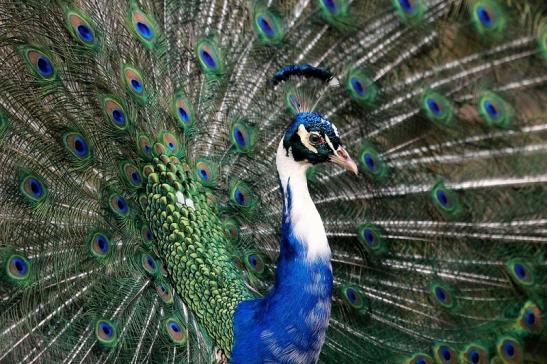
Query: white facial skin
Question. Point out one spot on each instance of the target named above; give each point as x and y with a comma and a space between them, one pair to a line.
339, 155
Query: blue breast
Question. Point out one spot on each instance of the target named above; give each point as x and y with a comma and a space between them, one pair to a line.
289, 324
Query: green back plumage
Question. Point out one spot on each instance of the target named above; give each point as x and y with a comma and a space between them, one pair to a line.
139, 202
190, 237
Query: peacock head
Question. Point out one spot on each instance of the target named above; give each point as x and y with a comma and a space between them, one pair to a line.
312, 138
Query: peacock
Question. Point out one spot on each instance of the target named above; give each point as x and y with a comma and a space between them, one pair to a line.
273, 181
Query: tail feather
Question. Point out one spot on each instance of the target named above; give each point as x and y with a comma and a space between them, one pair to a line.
437, 245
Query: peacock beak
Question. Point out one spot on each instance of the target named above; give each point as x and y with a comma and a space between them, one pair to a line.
342, 158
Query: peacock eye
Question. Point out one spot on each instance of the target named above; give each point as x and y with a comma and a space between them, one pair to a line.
316, 138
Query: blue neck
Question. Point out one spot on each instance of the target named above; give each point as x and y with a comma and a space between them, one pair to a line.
289, 324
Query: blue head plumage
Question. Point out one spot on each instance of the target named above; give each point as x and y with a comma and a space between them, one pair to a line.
314, 139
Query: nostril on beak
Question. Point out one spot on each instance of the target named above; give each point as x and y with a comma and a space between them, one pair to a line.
342, 153
343, 159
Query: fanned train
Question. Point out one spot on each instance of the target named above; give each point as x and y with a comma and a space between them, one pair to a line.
171, 188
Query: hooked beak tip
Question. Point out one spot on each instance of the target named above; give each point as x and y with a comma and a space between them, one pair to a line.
342, 158
352, 167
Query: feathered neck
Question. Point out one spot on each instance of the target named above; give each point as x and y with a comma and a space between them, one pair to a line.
289, 324
300, 216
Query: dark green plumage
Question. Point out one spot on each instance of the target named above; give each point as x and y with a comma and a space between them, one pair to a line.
189, 235
139, 201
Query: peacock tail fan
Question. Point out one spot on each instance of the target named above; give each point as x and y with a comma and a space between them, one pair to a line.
139, 201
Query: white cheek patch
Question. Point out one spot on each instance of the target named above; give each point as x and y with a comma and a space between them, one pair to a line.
327, 139
303, 133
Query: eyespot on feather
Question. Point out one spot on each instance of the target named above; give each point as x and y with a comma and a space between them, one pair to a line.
115, 113
371, 238
134, 83
99, 245
242, 135
495, 110
488, 18
420, 358
182, 110
206, 172
118, 205
254, 263
16, 268
165, 291
171, 142
39, 62
509, 350
106, 333
144, 145
241, 195
361, 87
442, 295
149, 264
410, 11
33, 189
143, 26
334, 11
445, 354
530, 320
521, 272
231, 229
475, 354
147, 235
437, 108
372, 163
77, 145
353, 296
268, 26
209, 57
80, 27
131, 174
445, 199
175, 330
